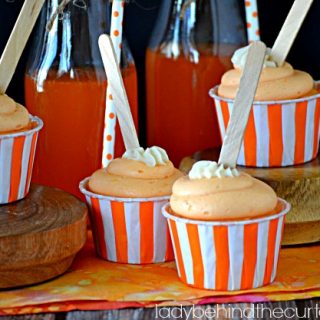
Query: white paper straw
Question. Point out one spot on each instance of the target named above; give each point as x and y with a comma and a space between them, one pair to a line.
252, 17
110, 115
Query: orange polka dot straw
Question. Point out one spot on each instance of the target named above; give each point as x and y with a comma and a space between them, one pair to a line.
252, 17
110, 116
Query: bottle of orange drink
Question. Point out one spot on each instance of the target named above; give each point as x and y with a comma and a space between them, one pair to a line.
65, 85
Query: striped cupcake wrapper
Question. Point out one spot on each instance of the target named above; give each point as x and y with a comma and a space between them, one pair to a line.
278, 133
129, 230
17, 152
227, 256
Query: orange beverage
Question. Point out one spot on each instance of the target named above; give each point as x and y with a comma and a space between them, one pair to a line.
180, 114
70, 145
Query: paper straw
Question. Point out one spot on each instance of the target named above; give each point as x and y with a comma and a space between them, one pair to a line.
110, 115
253, 30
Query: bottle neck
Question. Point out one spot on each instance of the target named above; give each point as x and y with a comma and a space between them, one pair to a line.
71, 41
185, 27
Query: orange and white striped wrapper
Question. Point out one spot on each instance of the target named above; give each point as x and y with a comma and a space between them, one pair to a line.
278, 133
17, 152
129, 230
227, 256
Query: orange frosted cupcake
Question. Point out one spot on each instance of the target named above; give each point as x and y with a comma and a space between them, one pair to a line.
226, 228
276, 83
126, 200
18, 139
135, 177
283, 127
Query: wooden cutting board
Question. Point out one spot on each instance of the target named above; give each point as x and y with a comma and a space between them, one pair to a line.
299, 185
40, 236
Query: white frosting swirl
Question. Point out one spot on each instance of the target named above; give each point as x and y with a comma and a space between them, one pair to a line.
151, 156
239, 58
211, 169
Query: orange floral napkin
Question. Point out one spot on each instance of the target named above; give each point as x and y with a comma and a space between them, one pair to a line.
93, 284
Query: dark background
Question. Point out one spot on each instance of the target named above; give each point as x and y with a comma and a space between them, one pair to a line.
140, 16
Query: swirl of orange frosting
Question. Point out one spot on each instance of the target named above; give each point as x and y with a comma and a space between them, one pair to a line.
276, 83
134, 179
13, 116
225, 198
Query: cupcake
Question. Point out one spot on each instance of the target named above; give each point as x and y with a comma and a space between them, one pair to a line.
283, 127
18, 139
226, 228
125, 201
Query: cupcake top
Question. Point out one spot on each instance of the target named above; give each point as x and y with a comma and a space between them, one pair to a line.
13, 116
138, 174
212, 192
276, 83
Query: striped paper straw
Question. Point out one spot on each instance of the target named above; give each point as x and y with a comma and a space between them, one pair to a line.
253, 30
110, 115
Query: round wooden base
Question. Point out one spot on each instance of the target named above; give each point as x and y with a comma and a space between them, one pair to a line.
40, 236
299, 185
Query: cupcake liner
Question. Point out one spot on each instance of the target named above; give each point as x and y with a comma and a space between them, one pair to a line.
227, 256
278, 133
17, 152
129, 230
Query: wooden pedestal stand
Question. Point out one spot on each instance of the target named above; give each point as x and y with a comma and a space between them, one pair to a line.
299, 185
40, 236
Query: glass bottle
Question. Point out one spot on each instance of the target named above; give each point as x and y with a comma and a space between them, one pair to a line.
190, 49
65, 85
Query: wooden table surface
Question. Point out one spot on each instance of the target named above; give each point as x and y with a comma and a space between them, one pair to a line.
300, 309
